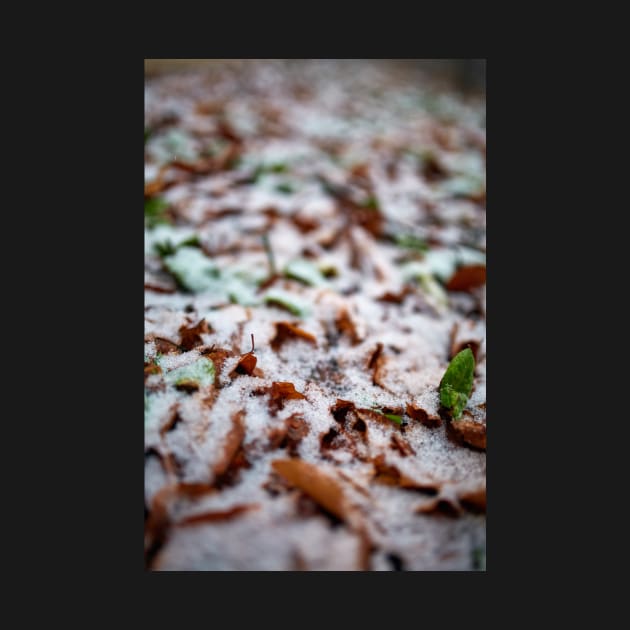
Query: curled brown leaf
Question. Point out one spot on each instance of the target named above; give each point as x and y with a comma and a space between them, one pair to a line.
286, 331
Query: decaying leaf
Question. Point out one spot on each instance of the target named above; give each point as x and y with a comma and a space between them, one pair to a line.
246, 364
440, 506
217, 516
289, 434
286, 331
165, 346
233, 441
191, 335
389, 474
281, 391
475, 500
467, 278
401, 445
428, 420
318, 485
471, 432
347, 327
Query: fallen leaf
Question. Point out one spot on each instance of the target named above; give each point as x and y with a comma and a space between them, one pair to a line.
218, 516
233, 441
470, 432
347, 327
318, 485
286, 331
401, 445
191, 336
281, 391
440, 506
428, 420
467, 278
474, 501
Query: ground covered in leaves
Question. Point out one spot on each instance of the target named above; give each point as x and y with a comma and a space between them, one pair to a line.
314, 258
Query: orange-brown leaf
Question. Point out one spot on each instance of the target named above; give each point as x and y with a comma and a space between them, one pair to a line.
286, 331
191, 336
217, 516
346, 326
472, 433
281, 391
475, 500
233, 441
246, 365
467, 278
417, 413
322, 488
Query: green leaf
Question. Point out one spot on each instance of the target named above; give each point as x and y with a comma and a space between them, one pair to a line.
200, 372
371, 203
457, 382
154, 211
147, 134
409, 241
192, 269
285, 188
306, 272
287, 300
393, 418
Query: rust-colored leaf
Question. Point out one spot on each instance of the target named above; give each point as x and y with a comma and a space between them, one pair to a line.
164, 346
375, 416
346, 326
396, 298
321, 487
289, 435
152, 368
340, 409
286, 331
218, 357
281, 391
217, 516
246, 365
475, 500
191, 336
233, 441
390, 475
470, 432
467, 278
401, 445
428, 420
440, 506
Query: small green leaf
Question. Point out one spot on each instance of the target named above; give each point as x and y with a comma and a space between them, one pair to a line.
154, 211
285, 188
371, 203
457, 382
200, 372
409, 241
288, 301
306, 272
147, 134
394, 418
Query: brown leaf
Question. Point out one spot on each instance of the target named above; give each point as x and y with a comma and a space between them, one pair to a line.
428, 420
217, 516
440, 506
396, 298
467, 278
281, 391
218, 357
375, 416
151, 368
346, 326
289, 435
286, 331
470, 432
321, 487
191, 336
233, 441
401, 445
475, 500
340, 410
164, 346
246, 365
390, 475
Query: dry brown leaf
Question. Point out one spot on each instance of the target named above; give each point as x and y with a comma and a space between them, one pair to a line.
401, 445
217, 516
286, 331
233, 441
428, 420
191, 336
289, 435
165, 346
321, 487
281, 391
246, 365
396, 298
467, 278
390, 475
440, 506
470, 432
475, 500
346, 326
